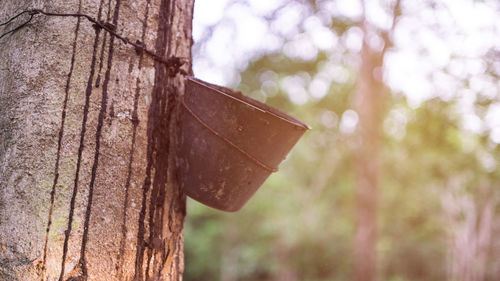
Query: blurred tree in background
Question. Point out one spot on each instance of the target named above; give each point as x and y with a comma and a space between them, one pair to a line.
426, 148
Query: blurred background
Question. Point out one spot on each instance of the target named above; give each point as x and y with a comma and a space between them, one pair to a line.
398, 179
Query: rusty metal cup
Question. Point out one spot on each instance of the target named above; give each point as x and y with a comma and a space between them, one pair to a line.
229, 144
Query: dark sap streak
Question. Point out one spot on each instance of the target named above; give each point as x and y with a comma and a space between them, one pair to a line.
88, 92
157, 203
163, 95
142, 216
135, 123
166, 96
100, 122
59, 143
101, 59
156, 131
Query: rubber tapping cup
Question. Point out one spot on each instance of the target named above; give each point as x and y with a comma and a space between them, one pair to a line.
229, 144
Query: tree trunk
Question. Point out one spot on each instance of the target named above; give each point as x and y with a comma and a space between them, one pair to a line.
369, 102
87, 183
470, 230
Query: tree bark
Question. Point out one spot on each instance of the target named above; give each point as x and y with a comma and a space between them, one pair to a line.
88, 189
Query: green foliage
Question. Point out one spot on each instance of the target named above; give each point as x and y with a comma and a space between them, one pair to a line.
301, 223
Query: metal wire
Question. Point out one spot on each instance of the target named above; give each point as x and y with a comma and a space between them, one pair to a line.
18, 27
173, 63
14, 17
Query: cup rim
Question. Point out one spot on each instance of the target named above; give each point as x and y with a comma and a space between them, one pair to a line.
252, 103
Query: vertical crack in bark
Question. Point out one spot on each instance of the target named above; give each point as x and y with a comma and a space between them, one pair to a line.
88, 92
59, 144
135, 123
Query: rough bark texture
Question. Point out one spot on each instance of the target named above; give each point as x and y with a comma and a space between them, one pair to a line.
87, 186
